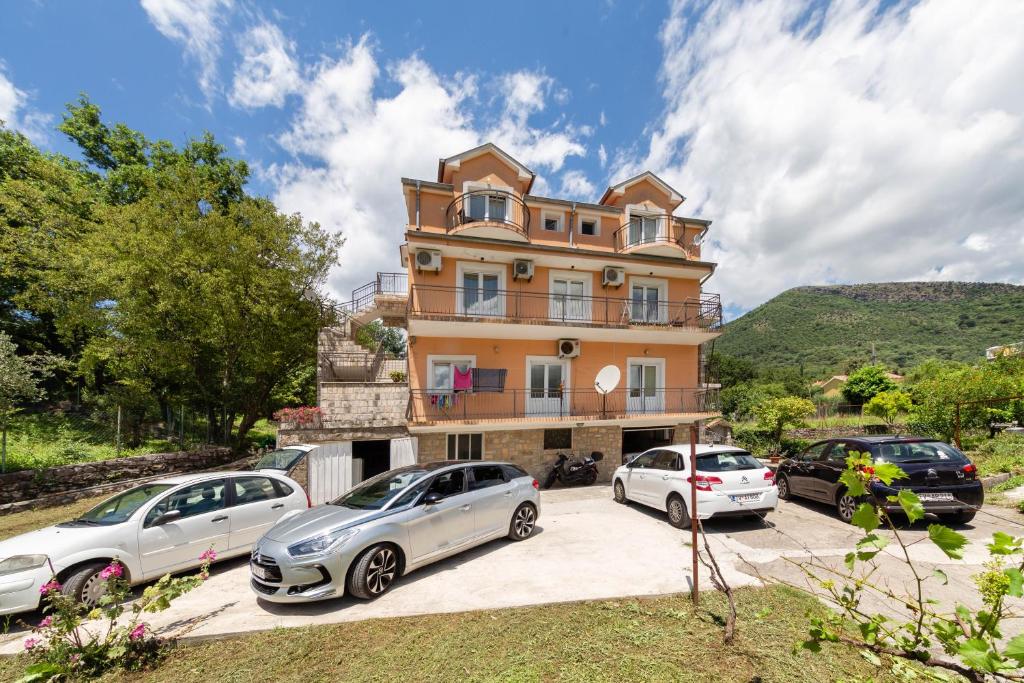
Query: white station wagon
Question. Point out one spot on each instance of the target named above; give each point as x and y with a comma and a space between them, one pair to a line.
729, 481
152, 529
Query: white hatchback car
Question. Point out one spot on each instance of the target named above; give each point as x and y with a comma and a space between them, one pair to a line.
730, 481
152, 529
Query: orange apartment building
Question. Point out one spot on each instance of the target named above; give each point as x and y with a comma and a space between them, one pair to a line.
513, 303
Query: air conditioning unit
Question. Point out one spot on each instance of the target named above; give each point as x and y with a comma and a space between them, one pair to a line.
522, 269
428, 259
568, 348
613, 277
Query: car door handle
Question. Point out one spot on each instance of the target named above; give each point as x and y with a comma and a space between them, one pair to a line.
466, 508
219, 519
508, 494
664, 476
277, 507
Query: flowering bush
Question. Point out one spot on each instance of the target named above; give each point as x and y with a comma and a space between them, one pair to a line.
75, 642
302, 416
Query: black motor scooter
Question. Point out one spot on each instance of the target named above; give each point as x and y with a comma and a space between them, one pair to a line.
573, 472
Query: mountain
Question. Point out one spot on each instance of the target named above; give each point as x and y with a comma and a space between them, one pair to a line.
832, 328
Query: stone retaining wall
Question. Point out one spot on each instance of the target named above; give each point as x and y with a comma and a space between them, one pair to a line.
353, 405
31, 485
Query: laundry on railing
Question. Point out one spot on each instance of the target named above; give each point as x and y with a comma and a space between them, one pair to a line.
463, 379
489, 380
443, 401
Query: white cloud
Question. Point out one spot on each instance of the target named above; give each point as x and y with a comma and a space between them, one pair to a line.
602, 156
865, 145
352, 145
268, 71
17, 115
196, 25
575, 185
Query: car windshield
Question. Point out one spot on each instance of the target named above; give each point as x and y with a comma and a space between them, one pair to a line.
918, 452
727, 462
119, 508
282, 459
376, 492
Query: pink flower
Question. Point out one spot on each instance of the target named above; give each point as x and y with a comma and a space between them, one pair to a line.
137, 632
112, 571
51, 586
31, 643
46, 622
208, 555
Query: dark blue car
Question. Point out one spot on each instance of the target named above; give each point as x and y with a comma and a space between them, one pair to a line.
942, 477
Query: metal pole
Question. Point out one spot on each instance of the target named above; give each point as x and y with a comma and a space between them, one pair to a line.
693, 511
3, 451
956, 427
117, 445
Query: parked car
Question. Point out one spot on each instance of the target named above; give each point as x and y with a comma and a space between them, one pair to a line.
152, 529
391, 524
283, 459
729, 481
942, 477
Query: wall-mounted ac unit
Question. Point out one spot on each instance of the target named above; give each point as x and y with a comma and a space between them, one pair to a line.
522, 269
568, 348
613, 277
428, 259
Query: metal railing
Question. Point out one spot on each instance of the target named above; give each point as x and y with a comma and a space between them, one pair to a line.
517, 404
353, 366
364, 296
653, 230
488, 207
703, 312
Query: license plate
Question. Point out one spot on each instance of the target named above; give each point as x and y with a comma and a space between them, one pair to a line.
746, 498
934, 497
259, 572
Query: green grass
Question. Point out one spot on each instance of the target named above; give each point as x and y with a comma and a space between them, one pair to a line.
1005, 453
658, 639
29, 520
1013, 482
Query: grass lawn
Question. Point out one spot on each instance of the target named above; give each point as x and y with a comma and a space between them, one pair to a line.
1005, 453
659, 639
20, 522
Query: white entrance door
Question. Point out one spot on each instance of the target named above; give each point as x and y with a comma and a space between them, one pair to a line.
480, 295
546, 396
645, 391
568, 300
403, 451
330, 471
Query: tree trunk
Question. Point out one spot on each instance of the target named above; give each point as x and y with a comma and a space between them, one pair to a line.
248, 420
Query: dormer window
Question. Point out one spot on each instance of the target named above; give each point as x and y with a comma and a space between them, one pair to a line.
486, 203
589, 225
551, 221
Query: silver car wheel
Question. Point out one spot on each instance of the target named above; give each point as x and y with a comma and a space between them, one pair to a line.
525, 519
93, 589
675, 510
381, 571
847, 506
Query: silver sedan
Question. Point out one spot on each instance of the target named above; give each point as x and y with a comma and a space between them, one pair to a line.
391, 524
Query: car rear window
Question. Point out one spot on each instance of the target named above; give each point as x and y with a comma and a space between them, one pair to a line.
918, 452
514, 471
727, 462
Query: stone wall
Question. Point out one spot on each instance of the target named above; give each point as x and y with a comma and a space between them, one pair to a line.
52, 483
525, 447
354, 405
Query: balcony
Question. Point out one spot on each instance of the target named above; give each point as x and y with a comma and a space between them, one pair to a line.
568, 405
655, 235
493, 214
604, 317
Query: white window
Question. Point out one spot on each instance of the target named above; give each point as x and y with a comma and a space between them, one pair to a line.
645, 382
589, 225
482, 290
645, 227
547, 379
648, 301
442, 371
570, 296
551, 221
465, 446
486, 203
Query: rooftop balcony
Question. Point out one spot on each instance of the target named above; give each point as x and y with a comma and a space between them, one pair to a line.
494, 214
542, 406
603, 317
655, 235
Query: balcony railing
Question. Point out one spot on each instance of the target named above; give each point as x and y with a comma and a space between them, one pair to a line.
386, 283
643, 231
488, 207
704, 312
427, 406
357, 366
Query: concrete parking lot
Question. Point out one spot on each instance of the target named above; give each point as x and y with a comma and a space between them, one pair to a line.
586, 547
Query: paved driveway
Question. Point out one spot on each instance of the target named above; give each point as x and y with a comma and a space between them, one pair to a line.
586, 547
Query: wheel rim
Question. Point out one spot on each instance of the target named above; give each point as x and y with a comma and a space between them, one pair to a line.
675, 511
524, 521
846, 506
93, 589
620, 493
382, 571
783, 488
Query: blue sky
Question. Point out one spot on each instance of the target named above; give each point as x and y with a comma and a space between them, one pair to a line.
830, 142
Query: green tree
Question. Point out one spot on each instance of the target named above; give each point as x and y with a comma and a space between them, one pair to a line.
20, 378
863, 384
936, 397
889, 405
776, 414
375, 335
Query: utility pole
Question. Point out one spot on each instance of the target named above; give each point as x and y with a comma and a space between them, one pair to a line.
695, 591
118, 441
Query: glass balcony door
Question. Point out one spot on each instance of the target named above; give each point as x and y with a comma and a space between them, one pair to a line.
643, 229
645, 392
487, 207
547, 396
480, 295
647, 306
568, 300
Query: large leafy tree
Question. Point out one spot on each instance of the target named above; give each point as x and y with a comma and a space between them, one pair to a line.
20, 383
862, 385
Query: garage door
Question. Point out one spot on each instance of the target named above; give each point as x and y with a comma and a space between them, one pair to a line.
330, 471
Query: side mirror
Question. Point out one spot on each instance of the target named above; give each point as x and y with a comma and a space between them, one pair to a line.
166, 517
432, 498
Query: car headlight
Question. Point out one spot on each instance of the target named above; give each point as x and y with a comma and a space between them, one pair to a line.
322, 544
20, 563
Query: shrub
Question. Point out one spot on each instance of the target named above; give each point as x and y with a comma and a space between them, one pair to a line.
1005, 453
864, 384
302, 416
397, 376
775, 414
889, 405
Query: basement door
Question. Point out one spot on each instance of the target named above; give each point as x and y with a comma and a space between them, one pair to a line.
330, 471
403, 451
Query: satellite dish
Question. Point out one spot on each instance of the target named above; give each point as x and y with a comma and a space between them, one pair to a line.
607, 379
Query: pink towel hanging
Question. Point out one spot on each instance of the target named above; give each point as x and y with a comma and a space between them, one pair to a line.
462, 381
